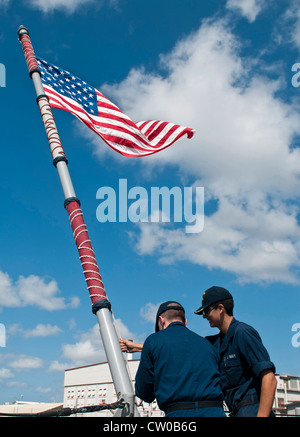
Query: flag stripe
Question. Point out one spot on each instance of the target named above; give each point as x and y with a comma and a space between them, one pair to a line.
64, 102
60, 102
69, 93
118, 134
118, 126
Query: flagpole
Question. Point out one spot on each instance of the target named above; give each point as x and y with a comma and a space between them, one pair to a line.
100, 303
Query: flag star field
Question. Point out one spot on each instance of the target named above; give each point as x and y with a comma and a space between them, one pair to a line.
69, 86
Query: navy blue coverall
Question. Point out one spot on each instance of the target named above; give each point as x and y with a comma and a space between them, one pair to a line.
178, 365
242, 358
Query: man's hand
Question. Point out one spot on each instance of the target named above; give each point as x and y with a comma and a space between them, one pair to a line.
129, 346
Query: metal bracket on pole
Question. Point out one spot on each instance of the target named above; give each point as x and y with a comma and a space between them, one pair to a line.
101, 305
129, 407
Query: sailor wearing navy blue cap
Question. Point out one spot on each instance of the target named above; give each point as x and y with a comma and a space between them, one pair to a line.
179, 368
247, 374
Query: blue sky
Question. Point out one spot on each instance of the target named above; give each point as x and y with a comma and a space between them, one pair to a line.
223, 68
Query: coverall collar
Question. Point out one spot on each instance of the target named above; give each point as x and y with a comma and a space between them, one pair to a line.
229, 334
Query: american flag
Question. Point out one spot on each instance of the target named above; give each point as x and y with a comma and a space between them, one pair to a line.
67, 92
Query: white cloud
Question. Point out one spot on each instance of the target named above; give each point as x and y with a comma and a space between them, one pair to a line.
248, 8
242, 154
5, 374
289, 25
8, 292
42, 331
43, 389
89, 348
148, 311
251, 250
4, 4
14, 329
32, 290
56, 366
84, 352
68, 6
25, 362
18, 384
52, 5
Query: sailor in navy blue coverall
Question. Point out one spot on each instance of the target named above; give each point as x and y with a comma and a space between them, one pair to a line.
247, 374
179, 368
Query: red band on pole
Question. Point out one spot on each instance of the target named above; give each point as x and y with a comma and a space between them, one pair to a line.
43, 102
55, 144
86, 253
29, 53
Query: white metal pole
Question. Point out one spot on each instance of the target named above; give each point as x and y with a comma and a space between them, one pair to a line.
101, 306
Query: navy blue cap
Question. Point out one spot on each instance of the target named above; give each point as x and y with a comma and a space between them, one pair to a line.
213, 295
165, 307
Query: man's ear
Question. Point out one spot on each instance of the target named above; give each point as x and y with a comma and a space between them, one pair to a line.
162, 321
221, 308
185, 322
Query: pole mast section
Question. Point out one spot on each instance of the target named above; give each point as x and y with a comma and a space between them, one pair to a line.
100, 303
